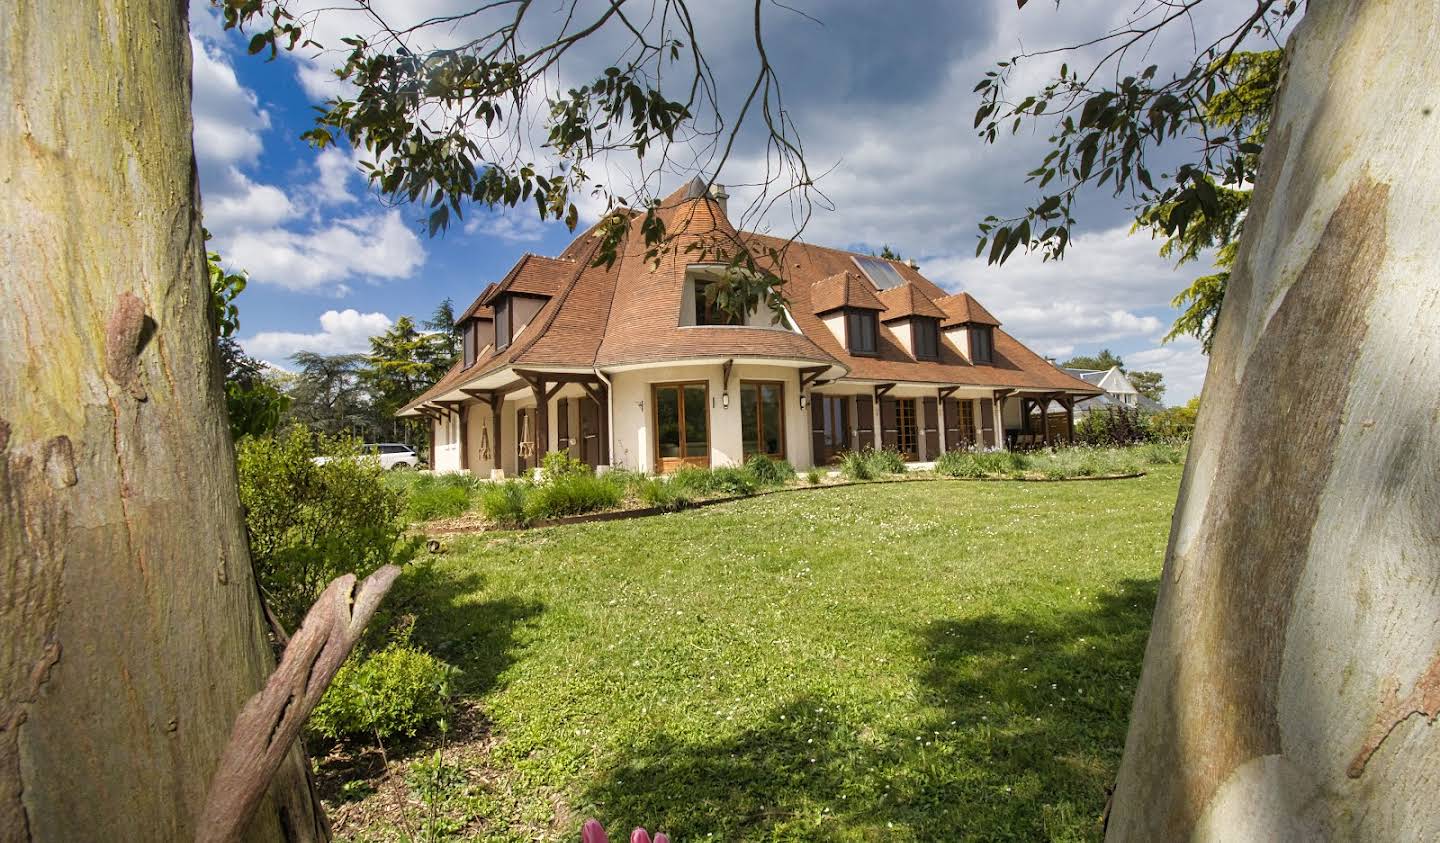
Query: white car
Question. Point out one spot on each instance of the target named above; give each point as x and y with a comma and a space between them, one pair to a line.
390, 454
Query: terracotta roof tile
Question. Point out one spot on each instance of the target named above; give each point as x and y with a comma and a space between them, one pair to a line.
907, 300
843, 289
962, 308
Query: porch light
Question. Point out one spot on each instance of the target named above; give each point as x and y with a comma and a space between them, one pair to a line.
725, 400
802, 400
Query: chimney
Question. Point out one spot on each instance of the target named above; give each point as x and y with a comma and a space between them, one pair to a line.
717, 192
913, 264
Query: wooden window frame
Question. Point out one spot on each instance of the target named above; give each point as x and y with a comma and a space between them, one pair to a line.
665, 465
914, 413
933, 353
760, 417
873, 319
965, 423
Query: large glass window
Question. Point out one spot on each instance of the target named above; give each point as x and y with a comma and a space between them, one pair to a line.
502, 323
682, 425
762, 419
982, 344
907, 435
861, 331
926, 336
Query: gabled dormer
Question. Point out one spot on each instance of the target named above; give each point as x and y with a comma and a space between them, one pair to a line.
969, 327
914, 320
516, 300
848, 306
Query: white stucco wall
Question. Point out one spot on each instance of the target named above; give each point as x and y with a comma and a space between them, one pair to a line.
960, 339
633, 435
445, 443
902, 332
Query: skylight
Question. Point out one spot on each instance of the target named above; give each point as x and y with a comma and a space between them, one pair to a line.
880, 272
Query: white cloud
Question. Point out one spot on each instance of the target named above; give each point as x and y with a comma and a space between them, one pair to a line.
373, 246
336, 169
1181, 362
247, 205
341, 332
511, 225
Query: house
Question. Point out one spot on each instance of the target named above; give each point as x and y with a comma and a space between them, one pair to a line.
626, 365
1119, 391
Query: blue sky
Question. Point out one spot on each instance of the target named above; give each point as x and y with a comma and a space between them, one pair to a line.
882, 96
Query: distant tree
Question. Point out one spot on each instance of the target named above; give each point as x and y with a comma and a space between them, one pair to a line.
890, 254
253, 401
1149, 384
328, 395
447, 333
404, 362
1102, 362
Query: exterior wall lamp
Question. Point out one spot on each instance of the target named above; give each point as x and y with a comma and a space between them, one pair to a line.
802, 401
725, 400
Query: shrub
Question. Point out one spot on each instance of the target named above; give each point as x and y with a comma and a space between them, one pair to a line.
430, 496
958, 464
314, 510
504, 503
887, 461
732, 481
1160, 453
813, 477
855, 465
662, 493
572, 494
397, 690
558, 464
768, 472
1113, 426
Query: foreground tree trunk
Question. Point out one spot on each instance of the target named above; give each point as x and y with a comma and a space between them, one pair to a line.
1293, 671
130, 630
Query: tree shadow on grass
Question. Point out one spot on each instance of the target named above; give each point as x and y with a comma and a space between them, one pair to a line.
1017, 734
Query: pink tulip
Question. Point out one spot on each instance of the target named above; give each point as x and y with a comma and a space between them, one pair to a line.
593, 832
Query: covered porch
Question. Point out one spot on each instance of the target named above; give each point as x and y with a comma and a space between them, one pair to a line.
1038, 419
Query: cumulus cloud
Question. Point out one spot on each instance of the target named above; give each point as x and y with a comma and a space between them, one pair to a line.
373, 246
1181, 362
341, 332
283, 235
511, 225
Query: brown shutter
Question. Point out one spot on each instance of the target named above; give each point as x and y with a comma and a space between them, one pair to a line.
819, 455
464, 437
952, 424
589, 431
932, 427
987, 421
864, 422
889, 424
562, 425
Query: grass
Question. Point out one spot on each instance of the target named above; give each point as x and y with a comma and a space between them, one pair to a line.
1058, 463
429, 496
926, 661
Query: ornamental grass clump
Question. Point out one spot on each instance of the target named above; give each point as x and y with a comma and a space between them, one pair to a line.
769, 472
855, 465
887, 461
503, 504
958, 464
662, 494
572, 494
431, 496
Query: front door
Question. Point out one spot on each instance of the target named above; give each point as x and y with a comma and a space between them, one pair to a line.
525, 458
682, 425
834, 413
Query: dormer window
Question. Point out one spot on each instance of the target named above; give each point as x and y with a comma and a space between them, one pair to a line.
925, 335
706, 311
982, 344
502, 323
469, 343
862, 332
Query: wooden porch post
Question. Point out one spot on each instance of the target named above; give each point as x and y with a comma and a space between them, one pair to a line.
542, 420
497, 402
464, 436
1070, 418
604, 425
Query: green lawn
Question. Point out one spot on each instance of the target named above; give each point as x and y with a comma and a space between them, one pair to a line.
929, 660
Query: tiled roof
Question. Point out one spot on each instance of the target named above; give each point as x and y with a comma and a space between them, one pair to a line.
963, 309
907, 300
630, 312
843, 289
476, 309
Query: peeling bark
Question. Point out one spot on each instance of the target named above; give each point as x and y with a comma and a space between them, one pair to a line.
1304, 556
124, 656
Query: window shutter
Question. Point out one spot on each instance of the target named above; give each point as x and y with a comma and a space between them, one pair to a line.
562, 425
864, 422
987, 421
589, 431
889, 424
931, 415
818, 454
952, 423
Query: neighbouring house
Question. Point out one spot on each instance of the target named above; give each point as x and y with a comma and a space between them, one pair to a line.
1119, 391
626, 365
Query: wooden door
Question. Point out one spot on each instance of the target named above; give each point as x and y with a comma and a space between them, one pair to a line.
682, 425
952, 423
907, 429
562, 427
590, 431
889, 421
987, 421
830, 429
864, 423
